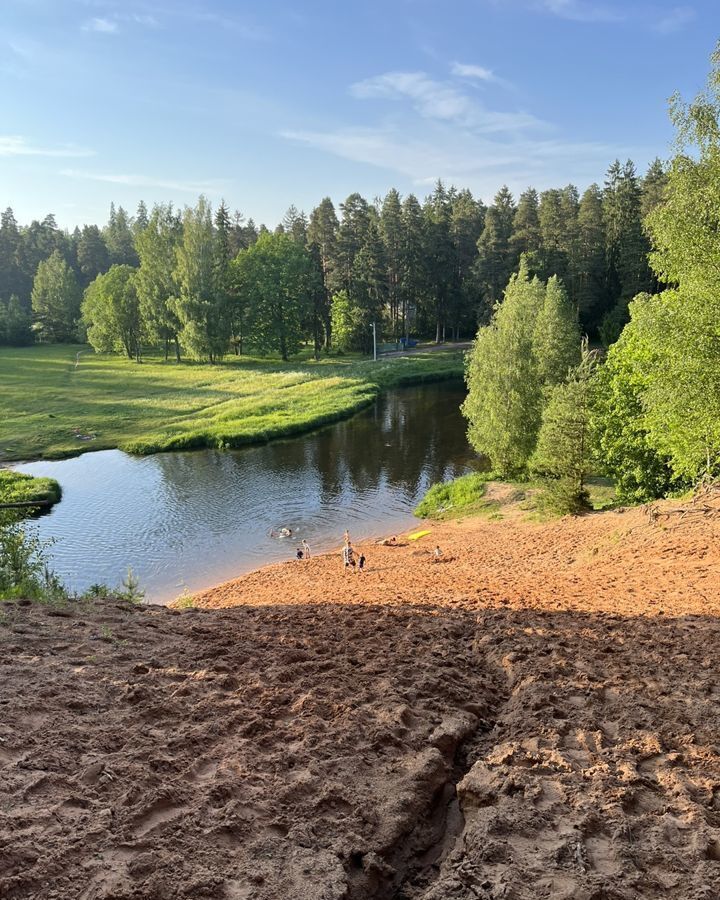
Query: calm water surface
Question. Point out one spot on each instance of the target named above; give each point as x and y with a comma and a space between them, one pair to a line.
193, 519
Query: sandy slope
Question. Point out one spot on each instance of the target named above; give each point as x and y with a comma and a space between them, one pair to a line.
537, 717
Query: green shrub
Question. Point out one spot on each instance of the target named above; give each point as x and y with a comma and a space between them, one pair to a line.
452, 496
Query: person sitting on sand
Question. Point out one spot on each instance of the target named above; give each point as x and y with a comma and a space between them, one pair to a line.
306, 549
348, 555
437, 554
299, 553
389, 542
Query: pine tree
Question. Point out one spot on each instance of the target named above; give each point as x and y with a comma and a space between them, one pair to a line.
119, 238
56, 299
439, 253
466, 225
92, 253
553, 255
322, 235
654, 187
391, 229
526, 228
496, 257
414, 286
591, 265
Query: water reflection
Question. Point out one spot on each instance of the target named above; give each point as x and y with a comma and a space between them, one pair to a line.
193, 519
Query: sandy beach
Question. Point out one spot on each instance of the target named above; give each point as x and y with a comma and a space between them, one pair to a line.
537, 715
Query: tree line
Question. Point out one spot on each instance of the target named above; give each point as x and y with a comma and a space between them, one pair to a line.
648, 412
206, 283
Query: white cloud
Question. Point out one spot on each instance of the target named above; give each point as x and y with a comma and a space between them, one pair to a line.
15, 145
144, 181
470, 71
102, 26
674, 20
581, 11
441, 101
480, 162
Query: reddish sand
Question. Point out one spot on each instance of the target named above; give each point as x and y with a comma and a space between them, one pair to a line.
535, 716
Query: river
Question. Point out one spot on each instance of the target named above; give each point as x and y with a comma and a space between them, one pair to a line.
192, 519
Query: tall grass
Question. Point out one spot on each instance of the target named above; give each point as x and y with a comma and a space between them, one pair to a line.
15, 487
448, 499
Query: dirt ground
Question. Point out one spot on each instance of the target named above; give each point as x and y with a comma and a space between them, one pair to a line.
537, 715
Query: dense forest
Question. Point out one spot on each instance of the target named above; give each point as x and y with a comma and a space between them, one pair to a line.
646, 413
205, 284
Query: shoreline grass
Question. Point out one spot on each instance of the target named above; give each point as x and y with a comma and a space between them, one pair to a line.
16, 487
62, 400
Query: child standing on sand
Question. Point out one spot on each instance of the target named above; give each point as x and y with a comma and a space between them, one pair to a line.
361, 563
306, 549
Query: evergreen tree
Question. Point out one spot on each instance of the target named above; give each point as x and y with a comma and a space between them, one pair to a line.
525, 237
351, 236
556, 341
141, 219
496, 257
466, 224
56, 299
92, 253
442, 285
414, 284
322, 240
654, 186
369, 281
504, 401
295, 224
553, 255
565, 442
119, 238
391, 229
591, 266
13, 280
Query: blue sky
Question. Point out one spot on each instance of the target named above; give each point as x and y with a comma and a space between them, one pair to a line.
273, 103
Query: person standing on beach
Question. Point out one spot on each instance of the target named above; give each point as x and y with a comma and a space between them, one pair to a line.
346, 538
306, 549
361, 563
348, 556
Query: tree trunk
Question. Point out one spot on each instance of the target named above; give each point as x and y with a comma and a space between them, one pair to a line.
177, 349
167, 349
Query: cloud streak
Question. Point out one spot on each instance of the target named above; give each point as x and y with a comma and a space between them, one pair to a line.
474, 72
145, 181
101, 26
675, 20
16, 145
581, 11
440, 101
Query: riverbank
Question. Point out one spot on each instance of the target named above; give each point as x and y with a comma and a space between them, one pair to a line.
60, 401
534, 716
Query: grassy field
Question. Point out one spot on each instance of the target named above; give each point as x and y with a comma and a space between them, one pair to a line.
55, 403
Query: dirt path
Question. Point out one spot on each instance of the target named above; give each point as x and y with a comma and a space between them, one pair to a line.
536, 718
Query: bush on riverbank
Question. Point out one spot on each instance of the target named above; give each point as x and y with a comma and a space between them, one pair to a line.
56, 403
447, 499
16, 487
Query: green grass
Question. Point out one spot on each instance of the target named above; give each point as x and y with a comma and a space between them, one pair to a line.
449, 499
52, 408
18, 488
